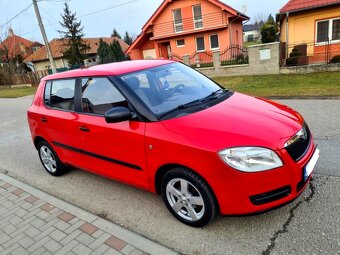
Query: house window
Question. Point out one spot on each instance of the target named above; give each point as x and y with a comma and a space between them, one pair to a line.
180, 43
200, 44
328, 30
214, 43
336, 29
178, 22
197, 13
34, 49
250, 38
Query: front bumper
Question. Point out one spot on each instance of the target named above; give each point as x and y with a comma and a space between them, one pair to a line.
241, 193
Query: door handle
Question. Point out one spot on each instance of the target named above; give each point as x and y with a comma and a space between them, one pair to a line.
85, 129
43, 119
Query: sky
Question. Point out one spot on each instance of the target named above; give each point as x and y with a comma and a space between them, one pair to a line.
123, 15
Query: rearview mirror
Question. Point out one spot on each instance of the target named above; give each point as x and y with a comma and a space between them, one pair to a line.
117, 114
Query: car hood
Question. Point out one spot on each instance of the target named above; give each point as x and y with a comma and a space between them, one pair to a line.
240, 120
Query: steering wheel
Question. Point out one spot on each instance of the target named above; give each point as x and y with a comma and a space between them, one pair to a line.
175, 89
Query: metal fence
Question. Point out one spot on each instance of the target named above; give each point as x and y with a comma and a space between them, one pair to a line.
308, 53
234, 55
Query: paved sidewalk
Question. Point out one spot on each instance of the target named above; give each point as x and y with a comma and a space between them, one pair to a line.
33, 222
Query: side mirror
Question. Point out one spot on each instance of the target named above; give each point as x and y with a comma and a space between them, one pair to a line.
117, 114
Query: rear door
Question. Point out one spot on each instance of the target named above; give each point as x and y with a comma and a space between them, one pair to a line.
115, 150
59, 120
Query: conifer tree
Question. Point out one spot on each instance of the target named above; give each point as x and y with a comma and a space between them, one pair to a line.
115, 34
128, 39
73, 34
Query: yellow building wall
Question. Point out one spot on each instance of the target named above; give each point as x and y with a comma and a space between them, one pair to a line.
42, 65
302, 25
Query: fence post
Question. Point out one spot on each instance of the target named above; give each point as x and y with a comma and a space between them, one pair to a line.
216, 59
186, 59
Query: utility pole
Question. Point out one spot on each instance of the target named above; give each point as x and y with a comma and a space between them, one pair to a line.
43, 33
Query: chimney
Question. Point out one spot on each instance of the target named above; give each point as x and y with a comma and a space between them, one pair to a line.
10, 32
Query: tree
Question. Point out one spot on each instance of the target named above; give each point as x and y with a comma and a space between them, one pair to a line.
117, 51
110, 52
103, 51
270, 19
115, 34
128, 39
269, 30
73, 34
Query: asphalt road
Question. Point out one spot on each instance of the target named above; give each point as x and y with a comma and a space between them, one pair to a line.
309, 225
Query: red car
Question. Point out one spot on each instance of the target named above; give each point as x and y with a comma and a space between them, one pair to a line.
163, 127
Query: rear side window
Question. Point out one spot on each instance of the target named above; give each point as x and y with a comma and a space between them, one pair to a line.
99, 95
61, 94
47, 98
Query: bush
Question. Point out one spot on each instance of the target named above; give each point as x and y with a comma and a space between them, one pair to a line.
293, 57
335, 59
268, 33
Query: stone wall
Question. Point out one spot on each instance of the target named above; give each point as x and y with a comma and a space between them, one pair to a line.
310, 69
263, 59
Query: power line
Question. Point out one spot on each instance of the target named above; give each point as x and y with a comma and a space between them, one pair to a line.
88, 14
16, 16
109, 8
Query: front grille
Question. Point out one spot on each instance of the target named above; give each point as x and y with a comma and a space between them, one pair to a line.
271, 196
300, 147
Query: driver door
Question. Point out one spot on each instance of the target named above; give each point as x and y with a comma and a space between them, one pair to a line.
115, 150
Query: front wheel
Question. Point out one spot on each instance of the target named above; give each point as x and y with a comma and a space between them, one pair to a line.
50, 160
188, 197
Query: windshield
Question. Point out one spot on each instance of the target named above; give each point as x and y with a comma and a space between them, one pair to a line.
169, 87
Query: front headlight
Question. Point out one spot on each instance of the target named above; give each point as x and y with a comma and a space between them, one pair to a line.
251, 159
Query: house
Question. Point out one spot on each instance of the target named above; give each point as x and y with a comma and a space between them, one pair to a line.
251, 32
311, 28
14, 46
41, 62
179, 28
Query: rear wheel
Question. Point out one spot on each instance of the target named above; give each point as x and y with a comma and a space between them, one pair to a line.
188, 197
50, 159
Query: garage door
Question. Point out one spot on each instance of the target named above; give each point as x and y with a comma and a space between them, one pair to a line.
149, 54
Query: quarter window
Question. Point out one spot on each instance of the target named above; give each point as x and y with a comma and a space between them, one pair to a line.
62, 94
47, 96
99, 95
328, 30
198, 20
178, 22
200, 43
214, 43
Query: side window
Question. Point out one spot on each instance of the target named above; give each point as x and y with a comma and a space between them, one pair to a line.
62, 94
99, 95
47, 94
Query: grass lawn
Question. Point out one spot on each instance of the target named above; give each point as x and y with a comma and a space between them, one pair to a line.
291, 85
16, 92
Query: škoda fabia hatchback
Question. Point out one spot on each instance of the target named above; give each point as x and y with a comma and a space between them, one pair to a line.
163, 127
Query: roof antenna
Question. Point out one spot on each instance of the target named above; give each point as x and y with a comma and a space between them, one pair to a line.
244, 8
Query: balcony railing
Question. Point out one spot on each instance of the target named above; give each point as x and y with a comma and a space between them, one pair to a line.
188, 25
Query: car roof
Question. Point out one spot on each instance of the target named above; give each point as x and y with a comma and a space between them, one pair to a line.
111, 69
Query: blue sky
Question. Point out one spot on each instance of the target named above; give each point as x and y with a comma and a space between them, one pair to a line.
130, 17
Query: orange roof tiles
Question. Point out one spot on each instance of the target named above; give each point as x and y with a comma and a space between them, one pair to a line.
58, 46
17, 45
297, 5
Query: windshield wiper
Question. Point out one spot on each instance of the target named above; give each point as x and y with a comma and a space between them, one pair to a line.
183, 106
213, 95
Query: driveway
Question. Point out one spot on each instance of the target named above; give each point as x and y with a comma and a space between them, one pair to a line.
309, 225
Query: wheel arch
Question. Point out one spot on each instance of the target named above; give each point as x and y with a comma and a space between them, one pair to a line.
37, 140
167, 167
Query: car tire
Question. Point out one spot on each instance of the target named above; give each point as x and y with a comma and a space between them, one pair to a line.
50, 159
188, 197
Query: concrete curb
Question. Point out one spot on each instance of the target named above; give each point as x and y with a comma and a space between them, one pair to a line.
109, 227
